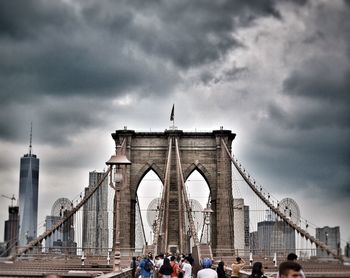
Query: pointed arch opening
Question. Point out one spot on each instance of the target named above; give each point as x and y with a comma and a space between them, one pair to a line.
198, 191
148, 194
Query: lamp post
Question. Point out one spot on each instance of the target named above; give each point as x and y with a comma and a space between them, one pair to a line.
207, 212
116, 163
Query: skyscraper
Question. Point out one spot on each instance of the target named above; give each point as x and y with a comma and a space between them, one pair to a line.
241, 226
11, 230
95, 217
28, 196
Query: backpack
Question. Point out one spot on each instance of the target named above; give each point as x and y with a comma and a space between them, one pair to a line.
148, 266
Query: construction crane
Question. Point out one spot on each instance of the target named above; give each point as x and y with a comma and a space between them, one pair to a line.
10, 198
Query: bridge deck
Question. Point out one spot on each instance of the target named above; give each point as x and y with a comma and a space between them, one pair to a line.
95, 267
312, 268
65, 267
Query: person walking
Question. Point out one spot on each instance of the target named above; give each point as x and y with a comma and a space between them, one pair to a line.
292, 257
289, 269
166, 269
186, 268
175, 267
221, 270
207, 272
237, 265
145, 267
257, 271
133, 266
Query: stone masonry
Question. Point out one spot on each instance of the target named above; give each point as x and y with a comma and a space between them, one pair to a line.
201, 151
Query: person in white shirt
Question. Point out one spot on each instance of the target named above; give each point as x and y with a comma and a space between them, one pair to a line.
207, 272
186, 268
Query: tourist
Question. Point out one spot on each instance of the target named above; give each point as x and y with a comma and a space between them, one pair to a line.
221, 270
158, 262
175, 267
237, 265
190, 259
207, 272
257, 271
290, 269
292, 257
186, 268
166, 269
133, 266
145, 267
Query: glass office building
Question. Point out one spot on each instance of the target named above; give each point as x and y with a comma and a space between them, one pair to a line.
28, 198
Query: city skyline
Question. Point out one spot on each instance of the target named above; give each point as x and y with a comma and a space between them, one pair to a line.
276, 73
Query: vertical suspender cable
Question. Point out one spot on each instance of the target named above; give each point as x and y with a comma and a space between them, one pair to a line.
294, 226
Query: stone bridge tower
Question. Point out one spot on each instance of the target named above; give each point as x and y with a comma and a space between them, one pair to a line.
201, 151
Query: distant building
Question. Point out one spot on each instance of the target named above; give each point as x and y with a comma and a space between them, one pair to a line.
331, 237
28, 197
253, 242
50, 221
3, 249
241, 226
275, 237
95, 217
347, 250
62, 240
11, 230
246, 228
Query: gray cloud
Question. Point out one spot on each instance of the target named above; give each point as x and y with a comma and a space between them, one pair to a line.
275, 72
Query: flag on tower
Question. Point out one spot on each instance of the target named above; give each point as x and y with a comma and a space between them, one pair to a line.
172, 113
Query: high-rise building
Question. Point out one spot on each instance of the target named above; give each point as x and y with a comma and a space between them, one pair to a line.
241, 226
28, 196
331, 237
275, 237
11, 230
95, 217
253, 242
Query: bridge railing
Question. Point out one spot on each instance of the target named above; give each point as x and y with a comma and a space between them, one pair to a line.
281, 253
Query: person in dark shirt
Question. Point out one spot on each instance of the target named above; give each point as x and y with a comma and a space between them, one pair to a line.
166, 269
221, 270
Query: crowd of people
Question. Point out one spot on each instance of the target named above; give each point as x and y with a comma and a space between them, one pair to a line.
169, 266
287, 269
162, 265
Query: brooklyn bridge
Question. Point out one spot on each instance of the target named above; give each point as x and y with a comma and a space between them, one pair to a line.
173, 155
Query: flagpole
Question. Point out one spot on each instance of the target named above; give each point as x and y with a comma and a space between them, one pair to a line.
172, 116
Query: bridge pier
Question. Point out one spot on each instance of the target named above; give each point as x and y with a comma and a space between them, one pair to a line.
201, 151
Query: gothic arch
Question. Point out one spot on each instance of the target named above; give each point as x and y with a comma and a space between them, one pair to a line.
145, 169
203, 171
201, 151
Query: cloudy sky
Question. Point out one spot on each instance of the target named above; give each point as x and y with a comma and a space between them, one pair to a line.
277, 73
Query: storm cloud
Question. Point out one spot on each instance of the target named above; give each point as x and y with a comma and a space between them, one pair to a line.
275, 72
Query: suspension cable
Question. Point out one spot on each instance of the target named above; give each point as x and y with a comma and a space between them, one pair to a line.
187, 204
301, 231
63, 221
164, 202
139, 212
